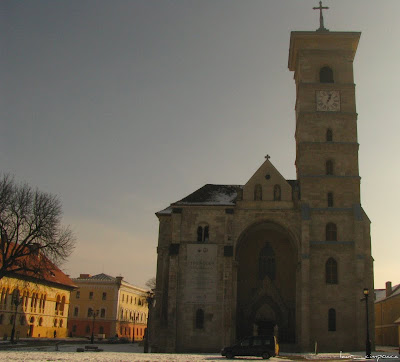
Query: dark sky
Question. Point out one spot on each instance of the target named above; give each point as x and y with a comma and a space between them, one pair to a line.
122, 107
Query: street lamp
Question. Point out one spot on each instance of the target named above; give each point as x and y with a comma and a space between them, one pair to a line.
368, 342
16, 301
149, 299
94, 314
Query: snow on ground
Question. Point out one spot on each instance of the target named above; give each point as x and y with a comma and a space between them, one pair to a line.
132, 352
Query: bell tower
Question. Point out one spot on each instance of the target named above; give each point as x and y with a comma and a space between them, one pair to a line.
336, 261
326, 118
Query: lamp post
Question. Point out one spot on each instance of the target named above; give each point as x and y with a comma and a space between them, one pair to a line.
368, 342
16, 301
95, 314
149, 298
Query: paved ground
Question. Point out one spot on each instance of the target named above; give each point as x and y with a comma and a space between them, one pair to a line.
134, 352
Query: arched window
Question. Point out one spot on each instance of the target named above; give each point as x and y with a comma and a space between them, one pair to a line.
330, 199
40, 321
326, 75
62, 305
61, 323
331, 273
329, 167
199, 319
266, 263
331, 320
329, 135
277, 193
331, 232
257, 192
202, 234
57, 304
55, 322
205, 233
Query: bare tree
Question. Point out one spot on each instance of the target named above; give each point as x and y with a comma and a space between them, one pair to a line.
151, 284
32, 239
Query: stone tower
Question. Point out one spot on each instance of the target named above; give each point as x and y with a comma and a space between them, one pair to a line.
289, 257
327, 170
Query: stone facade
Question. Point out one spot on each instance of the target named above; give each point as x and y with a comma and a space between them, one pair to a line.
289, 257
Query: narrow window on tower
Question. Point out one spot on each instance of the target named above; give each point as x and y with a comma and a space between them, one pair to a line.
331, 232
329, 167
199, 319
326, 75
329, 135
331, 273
332, 320
257, 192
330, 199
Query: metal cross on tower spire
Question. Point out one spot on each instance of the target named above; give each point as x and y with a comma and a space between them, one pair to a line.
321, 17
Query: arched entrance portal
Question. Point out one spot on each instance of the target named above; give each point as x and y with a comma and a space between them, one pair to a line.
266, 282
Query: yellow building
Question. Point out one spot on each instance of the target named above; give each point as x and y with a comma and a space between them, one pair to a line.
109, 306
42, 304
387, 315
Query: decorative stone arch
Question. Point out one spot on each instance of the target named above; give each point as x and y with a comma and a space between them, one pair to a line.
280, 317
276, 225
278, 295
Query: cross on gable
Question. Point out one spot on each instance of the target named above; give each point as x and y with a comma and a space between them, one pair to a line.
267, 157
321, 17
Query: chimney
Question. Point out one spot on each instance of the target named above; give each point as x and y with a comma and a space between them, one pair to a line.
119, 279
388, 289
84, 276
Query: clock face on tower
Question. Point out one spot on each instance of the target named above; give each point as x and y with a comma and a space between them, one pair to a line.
328, 100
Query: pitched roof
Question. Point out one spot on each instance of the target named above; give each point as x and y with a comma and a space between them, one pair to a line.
212, 195
50, 272
102, 276
380, 294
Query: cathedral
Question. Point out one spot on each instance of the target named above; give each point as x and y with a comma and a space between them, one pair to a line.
277, 256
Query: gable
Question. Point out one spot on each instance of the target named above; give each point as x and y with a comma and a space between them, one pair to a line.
269, 180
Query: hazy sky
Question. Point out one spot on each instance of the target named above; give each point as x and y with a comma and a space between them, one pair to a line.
122, 107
